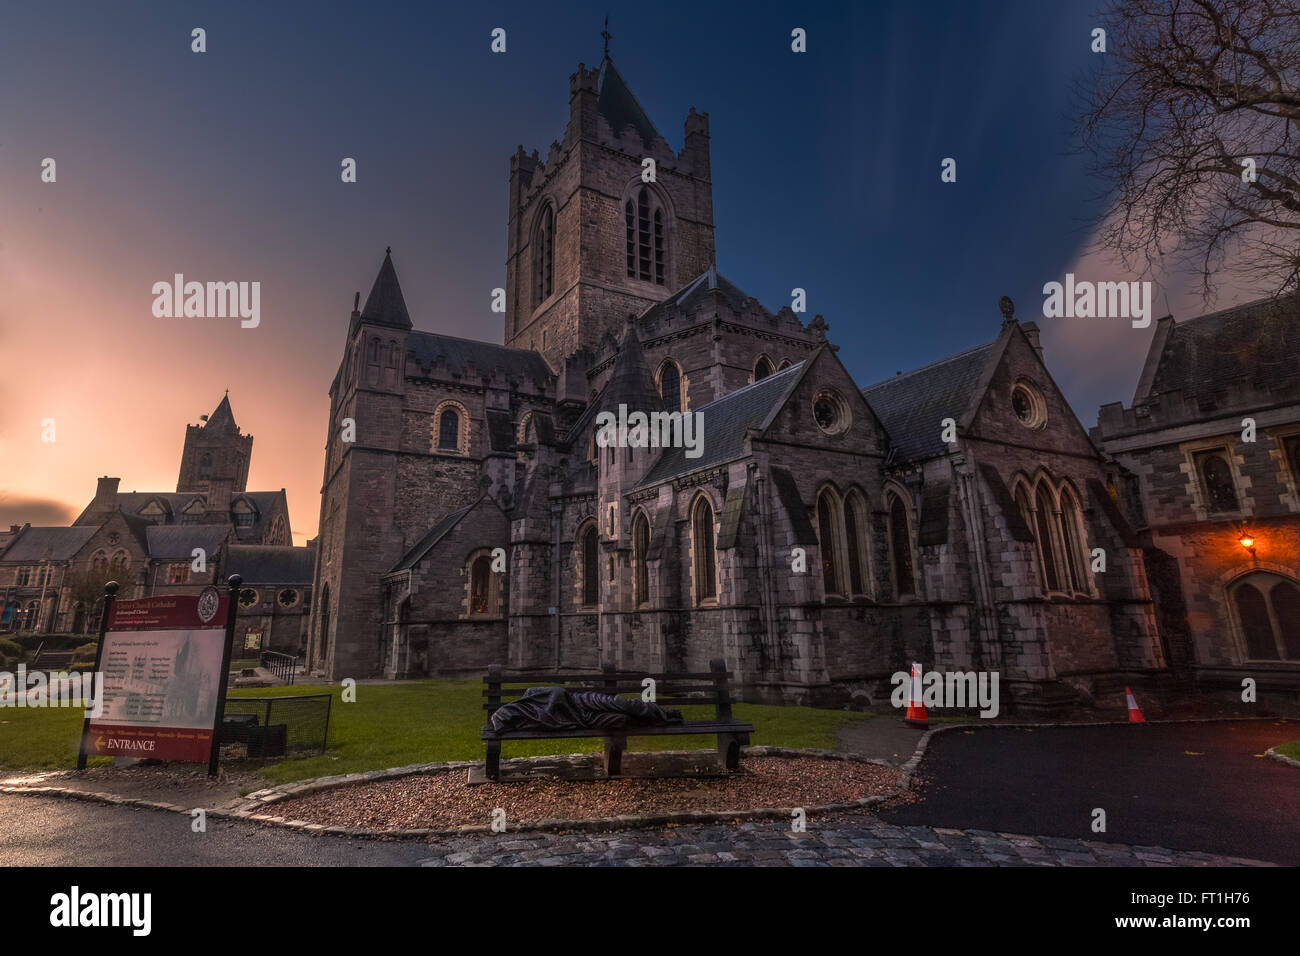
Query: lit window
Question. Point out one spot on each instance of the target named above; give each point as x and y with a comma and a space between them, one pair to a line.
1268, 609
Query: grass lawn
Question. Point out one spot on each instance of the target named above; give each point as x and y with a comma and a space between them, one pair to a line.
1291, 749
391, 725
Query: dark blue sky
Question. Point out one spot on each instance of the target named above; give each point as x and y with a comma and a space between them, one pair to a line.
226, 166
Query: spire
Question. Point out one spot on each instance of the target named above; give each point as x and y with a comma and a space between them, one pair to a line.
619, 106
385, 305
631, 383
222, 418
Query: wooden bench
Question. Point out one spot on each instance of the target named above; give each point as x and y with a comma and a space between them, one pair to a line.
671, 690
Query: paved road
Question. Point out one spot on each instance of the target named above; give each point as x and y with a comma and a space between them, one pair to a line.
1183, 786
74, 833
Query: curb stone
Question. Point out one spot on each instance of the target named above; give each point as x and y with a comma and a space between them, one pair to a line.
1272, 754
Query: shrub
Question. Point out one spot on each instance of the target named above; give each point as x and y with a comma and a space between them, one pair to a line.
10, 649
86, 652
52, 642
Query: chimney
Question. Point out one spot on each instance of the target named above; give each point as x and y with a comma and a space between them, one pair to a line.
1031, 333
15, 528
106, 494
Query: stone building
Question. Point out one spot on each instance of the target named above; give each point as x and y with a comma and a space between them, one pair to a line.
1210, 452
51, 579
821, 537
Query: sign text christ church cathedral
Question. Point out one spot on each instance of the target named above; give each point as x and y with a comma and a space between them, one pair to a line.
971, 554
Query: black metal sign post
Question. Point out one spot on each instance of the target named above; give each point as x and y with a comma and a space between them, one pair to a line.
232, 610
110, 593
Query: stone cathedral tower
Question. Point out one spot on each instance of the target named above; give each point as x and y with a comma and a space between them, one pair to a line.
215, 452
590, 241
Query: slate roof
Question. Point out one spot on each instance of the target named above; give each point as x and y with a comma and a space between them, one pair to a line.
689, 295
725, 421
173, 542
1257, 342
615, 101
385, 305
48, 544
436, 534
130, 502
460, 354
271, 564
912, 405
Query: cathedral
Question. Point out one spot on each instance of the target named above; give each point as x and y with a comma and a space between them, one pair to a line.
52, 578
824, 536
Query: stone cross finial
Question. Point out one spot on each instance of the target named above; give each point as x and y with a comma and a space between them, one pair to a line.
606, 34
1008, 307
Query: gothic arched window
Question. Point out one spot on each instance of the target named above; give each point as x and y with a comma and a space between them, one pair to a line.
829, 544
641, 572
205, 466
1217, 476
480, 585
900, 546
855, 526
644, 225
762, 368
1268, 609
670, 386
544, 255
1044, 514
704, 558
590, 566
1071, 542
449, 430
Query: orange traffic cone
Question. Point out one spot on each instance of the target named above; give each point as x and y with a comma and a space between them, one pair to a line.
1134, 714
916, 715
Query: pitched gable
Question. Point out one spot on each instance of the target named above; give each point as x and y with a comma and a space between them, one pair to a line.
994, 417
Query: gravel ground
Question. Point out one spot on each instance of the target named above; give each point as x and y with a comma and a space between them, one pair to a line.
444, 799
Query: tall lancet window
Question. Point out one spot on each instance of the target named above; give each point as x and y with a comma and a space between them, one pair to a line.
643, 221
544, 255
670, 386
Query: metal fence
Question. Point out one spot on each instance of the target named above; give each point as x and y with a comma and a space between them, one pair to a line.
265, 728
283, 666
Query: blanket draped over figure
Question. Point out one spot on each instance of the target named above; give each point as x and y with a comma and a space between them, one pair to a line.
554, 708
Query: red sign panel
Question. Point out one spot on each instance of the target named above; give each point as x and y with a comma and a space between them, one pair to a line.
162, 660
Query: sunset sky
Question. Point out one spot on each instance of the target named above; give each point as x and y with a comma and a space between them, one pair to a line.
224, 166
